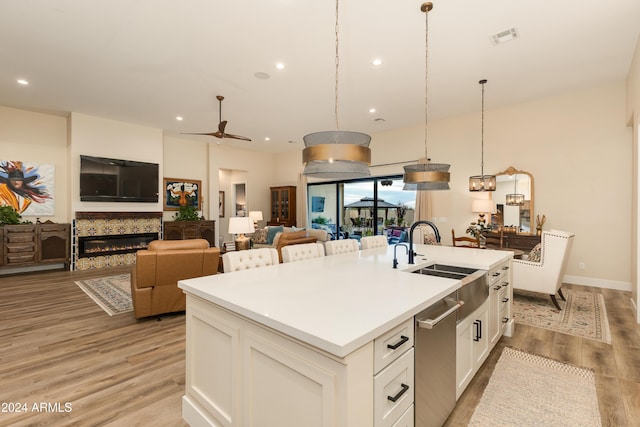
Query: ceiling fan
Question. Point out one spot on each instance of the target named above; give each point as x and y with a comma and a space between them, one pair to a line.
221, 126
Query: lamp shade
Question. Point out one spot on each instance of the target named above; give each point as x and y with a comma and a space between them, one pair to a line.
240, 225
482, 206
255, 215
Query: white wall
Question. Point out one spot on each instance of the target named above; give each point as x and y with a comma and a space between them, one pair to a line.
578, 149
95, 136
187, 159
38, 138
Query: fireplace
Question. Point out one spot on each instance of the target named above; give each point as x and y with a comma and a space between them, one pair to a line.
106, 239
113, 244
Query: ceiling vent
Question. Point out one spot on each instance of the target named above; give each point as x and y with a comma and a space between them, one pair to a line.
505, 36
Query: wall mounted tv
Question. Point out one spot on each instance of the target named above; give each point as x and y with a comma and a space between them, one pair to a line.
114, 180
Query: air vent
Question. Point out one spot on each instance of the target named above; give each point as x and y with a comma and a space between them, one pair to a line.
505, 36
379, 120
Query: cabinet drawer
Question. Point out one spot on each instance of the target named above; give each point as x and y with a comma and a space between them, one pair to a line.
20, 257
406, 420
389, 346
499, 274
393, 390
21, 247
20, 237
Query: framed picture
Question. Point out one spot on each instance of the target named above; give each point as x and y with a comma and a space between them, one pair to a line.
182, 192
221, 203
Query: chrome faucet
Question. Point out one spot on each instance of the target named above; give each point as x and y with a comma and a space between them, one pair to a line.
413, 227
395, 258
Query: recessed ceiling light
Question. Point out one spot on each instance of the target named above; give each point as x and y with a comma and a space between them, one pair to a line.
377, 62
267, 139
179, 118
372, 110
280, 66
22, 82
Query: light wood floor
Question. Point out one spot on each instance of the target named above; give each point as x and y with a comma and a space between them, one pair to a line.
58, 347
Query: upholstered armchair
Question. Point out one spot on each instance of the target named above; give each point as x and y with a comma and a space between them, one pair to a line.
252, 258
369, 242
545, 275
154, 281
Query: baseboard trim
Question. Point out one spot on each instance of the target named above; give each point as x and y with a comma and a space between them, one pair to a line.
598, 283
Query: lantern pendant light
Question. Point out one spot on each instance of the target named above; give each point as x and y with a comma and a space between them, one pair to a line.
515, 199
426, 176
336, 154
482, 182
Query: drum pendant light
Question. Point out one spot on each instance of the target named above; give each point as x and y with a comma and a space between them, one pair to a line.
336, 154
426, 176
482, 182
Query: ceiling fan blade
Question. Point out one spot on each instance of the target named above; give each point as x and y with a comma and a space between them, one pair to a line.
243, 138
221, 127
216, 134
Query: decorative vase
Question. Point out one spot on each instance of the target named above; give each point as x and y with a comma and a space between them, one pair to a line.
483, 240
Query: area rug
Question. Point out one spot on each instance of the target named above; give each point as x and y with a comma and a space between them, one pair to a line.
583, 314
531, 390
112, 294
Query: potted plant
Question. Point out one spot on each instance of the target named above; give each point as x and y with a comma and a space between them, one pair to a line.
186, 213
8, 215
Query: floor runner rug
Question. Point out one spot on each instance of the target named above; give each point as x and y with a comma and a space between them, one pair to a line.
112, 294
530, 390
583, 314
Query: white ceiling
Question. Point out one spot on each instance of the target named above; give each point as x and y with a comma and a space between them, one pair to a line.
148, 61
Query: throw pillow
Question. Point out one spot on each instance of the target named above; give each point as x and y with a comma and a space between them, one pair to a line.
271, 233
260, 236
535, 254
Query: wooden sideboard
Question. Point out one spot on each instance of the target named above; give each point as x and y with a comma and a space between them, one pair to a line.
524, 242
182, 230
27, 245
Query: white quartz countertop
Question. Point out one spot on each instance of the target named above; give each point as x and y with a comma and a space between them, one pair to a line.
339, 303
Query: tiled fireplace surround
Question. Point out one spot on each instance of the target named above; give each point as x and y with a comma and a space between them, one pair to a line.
118, 234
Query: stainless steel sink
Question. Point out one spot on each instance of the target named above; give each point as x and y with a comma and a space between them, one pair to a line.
473, 284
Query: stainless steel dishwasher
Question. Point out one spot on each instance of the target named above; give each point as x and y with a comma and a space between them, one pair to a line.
435, 343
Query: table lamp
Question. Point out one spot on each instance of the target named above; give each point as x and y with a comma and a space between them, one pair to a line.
240, 226
256, 216
482, 206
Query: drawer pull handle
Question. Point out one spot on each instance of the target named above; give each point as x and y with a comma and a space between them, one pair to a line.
497, 288
403, 340
505, 320
505, 267
505, 299
496, 274
505, 284
400, 393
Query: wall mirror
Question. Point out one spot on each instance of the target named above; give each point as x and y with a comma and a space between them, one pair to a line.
514, 217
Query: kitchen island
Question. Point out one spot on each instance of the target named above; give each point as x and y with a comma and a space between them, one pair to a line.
304, 343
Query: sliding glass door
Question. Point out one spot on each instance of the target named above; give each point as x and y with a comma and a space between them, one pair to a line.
352, 209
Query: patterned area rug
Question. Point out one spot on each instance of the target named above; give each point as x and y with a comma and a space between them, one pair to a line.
112, 294
583, 314
530, 390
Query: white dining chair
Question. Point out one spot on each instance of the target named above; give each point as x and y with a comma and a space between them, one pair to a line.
252, 258
369, 242
335, 247
302, 251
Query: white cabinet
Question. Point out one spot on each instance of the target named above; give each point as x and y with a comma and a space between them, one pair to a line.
240, 373
480, 331
472, 346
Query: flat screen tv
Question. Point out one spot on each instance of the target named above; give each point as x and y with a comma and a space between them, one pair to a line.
113, 180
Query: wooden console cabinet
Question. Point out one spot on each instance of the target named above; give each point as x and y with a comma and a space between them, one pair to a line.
182, 230
283, 206
26, 245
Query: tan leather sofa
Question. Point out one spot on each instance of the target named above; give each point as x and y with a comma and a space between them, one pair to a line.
154, 282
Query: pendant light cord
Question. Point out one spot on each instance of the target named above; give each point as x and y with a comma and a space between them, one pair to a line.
426, 78
482, 82
337, 66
